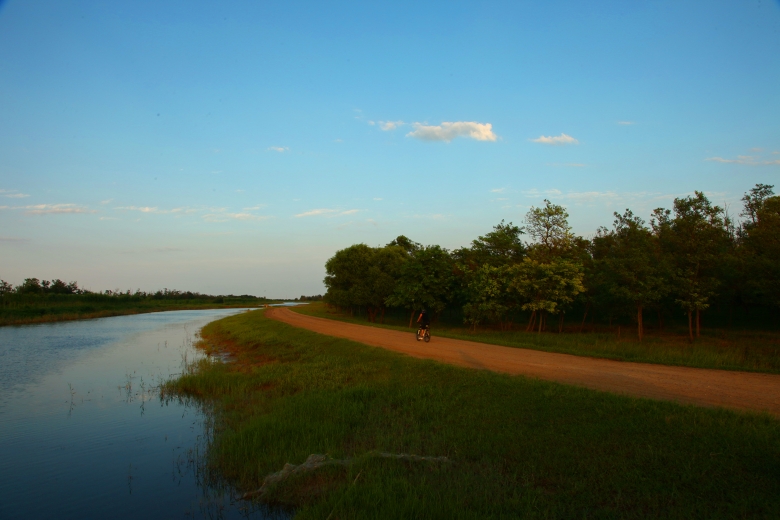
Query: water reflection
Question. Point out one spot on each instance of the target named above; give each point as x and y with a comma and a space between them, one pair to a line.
84, 432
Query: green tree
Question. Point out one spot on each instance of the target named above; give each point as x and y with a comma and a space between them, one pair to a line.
425, 281
551, 275
502, 246
347, 277
548, 287
695, 240
760, 245
629, 260
386, 264
30, 286
490, 298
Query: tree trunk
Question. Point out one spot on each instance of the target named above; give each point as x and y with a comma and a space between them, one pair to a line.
531, 322
660, 321
582, 326
383, 315
541, 319
411, 317
690, 326
639, 323
698, 322
560, 324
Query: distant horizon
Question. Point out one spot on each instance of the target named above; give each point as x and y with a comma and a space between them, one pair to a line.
235, 148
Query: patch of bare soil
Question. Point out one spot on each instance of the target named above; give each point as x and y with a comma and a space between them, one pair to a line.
699, 386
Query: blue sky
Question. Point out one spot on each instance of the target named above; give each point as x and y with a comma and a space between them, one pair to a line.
233, 147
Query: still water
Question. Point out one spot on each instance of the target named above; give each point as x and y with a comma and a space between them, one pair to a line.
84, 434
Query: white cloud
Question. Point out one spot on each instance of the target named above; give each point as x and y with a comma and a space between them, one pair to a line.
142, 209
556, 140
377, 198
626, 122
13, 194
498, 190
104, 202
326, 212
280, 149
448, 131
749, 160
254, 208
390, 125
54, 209
225, 217
756, 149
315, 212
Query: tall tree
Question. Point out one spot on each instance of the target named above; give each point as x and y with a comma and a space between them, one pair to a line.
551, 275
490, 298
629, 258
760, 241
425, 281
695, 239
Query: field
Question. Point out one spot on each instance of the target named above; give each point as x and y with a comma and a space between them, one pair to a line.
514, 446
728, 349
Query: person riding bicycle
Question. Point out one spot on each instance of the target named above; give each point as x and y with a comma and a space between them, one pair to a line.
424, 320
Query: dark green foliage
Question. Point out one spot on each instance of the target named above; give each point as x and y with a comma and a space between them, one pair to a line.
519, 447
692, 259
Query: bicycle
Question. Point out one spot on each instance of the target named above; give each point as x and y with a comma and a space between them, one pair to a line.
424, 334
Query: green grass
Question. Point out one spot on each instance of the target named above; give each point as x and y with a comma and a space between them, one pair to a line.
519, 447
749, 350
25, 309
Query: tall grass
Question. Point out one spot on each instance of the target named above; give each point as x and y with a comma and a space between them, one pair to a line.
751, 350
518, 447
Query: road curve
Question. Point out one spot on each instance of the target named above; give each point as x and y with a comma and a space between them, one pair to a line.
699, 386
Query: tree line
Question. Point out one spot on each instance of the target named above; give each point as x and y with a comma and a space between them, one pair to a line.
680, 262
37, 287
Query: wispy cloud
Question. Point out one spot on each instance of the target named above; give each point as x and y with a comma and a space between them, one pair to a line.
626, 122
226, 217
326, 212
377, 198
498, 190
104, 202
448, 131
55, 209
254, 208
142, 209
13, 194
280, 149
750, 160
556, 140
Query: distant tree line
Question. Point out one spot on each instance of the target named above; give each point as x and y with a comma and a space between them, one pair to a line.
680, 263
35, 286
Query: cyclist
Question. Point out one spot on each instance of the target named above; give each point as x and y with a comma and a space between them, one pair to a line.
424, 320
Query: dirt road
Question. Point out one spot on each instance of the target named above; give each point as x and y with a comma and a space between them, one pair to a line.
704, 387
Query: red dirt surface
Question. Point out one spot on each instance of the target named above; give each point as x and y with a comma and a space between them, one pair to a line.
699, 386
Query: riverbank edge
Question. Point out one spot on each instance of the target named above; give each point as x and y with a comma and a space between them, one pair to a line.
517, 445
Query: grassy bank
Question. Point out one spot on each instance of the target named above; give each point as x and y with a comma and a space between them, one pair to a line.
27, 309
723, 349
517, 447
